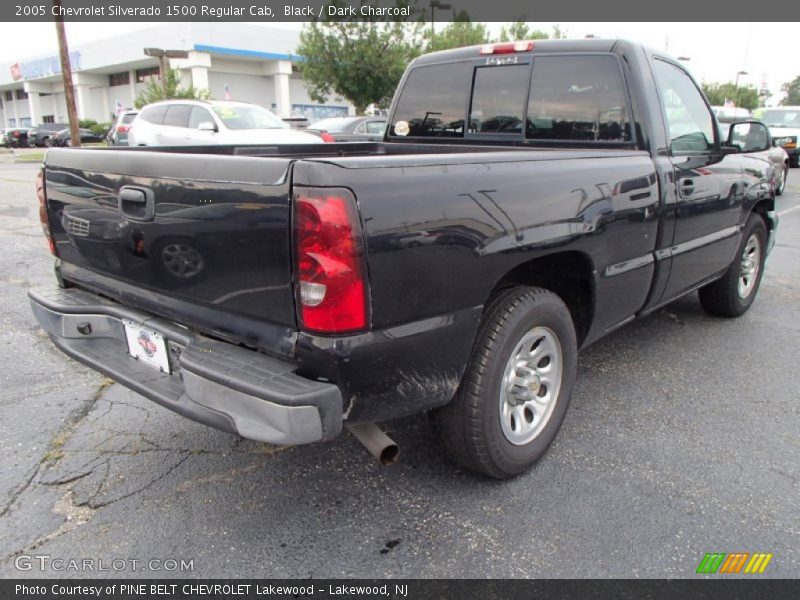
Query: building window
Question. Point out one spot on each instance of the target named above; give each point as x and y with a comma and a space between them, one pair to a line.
22, 95
9, 95
123, 78
49, 119
145, 75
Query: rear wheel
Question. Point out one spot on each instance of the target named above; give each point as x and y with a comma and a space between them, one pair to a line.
515, 392
733, 294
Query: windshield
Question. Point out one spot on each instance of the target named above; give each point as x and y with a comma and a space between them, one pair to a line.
337, 124
248, 117
128, 118
781, 118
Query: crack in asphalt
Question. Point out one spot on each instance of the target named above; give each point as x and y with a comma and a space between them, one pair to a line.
75, 516
72, 421
97, 505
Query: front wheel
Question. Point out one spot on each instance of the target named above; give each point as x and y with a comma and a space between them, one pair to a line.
515, 392
732, 295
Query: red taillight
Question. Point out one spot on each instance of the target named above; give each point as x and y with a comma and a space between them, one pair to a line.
40, 195
507, 47
327, 137
330, 269
123, 129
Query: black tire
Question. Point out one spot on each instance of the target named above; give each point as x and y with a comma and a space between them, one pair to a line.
470, 425
724, 297
794, 160
781, 185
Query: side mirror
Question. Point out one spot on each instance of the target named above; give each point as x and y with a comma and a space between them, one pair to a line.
207, 126
749, 136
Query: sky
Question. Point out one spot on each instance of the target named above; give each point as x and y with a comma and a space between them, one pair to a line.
716, 51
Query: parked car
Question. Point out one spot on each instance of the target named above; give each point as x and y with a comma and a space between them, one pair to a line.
16, 137
730, 113
528, 199
745, 137
296, 122
212, 122
41, 134
64, 137
350, 129
784, 125
118, 134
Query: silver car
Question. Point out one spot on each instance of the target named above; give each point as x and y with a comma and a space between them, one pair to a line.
211, 122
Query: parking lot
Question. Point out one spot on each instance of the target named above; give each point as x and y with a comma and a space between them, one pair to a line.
682, 439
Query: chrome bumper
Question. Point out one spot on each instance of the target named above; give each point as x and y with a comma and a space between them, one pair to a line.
216, 383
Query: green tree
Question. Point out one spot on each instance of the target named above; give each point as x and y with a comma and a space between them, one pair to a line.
522, 31
792, 89
360, 61
461, 32
155, 90
745, 96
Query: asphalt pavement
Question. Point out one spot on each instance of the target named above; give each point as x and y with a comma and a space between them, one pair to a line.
682, 439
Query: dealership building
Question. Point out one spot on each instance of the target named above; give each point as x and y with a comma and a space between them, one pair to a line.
239, 61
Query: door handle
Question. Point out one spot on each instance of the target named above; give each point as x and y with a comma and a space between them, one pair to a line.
137, 203
687, 187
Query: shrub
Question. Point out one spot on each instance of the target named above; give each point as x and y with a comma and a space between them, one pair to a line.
100, 128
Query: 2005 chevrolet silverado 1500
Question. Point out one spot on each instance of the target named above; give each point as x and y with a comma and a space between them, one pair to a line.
527, 199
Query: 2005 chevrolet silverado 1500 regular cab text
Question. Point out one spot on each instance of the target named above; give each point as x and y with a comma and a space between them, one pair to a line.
527, 199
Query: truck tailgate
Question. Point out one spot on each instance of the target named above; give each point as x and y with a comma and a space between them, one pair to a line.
204, 240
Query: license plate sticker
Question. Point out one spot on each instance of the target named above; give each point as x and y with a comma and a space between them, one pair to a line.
147, 346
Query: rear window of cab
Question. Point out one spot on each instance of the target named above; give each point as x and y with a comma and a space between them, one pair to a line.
569, 97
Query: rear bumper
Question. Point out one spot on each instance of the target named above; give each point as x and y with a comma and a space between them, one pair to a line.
216, 383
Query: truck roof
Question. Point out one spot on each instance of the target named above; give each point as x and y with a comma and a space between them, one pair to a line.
539, 47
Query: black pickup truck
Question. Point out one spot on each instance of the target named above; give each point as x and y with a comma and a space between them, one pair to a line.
527, 199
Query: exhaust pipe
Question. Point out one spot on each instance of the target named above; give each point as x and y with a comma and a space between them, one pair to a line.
380, 445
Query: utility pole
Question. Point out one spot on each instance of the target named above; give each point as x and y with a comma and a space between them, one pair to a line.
66, 77
736, 86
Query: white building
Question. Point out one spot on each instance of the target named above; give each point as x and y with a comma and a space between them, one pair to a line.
254, 63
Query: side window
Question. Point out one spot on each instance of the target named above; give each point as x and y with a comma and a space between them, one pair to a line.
154, 114
360, 129
498, 99
579, 98
689, 122
433, 102
178, 115
199, 115
376, 127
